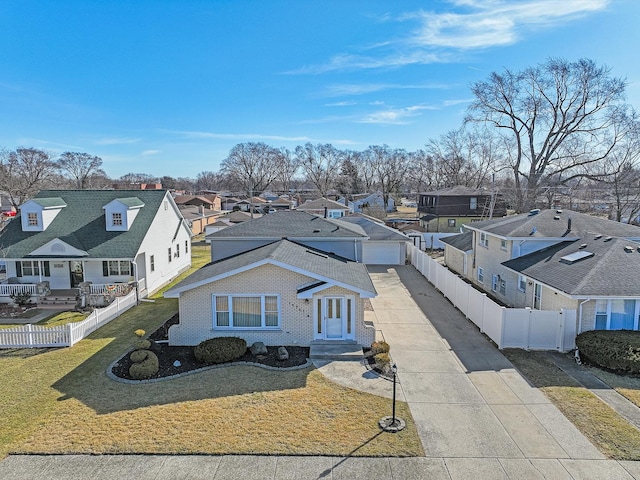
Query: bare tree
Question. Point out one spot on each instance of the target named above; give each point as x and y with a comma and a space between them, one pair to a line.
208, 180
133, 178
287, 166
320, 164
251, 166
80, 167
24, 172
390, 167
622, 167
558, 115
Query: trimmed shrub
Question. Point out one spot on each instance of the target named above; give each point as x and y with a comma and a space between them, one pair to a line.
145, 364
617, 350
143, 344
383, 362
379, 347
220, 350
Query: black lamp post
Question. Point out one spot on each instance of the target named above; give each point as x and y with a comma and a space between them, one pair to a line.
394, 370
392, 424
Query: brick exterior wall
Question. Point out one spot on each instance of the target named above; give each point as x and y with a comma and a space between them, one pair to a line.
296, 315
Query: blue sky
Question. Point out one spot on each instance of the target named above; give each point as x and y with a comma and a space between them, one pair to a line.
168, 87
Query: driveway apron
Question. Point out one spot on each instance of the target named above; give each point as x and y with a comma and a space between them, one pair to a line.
466, 398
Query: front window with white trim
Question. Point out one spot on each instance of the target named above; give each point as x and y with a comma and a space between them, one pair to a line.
246, 311
480, 275
484, 239
522, 283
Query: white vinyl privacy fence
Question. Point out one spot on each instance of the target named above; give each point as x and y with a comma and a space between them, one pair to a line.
507, 327
34, 336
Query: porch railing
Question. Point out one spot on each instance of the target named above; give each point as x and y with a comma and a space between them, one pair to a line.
115, 289
8, 289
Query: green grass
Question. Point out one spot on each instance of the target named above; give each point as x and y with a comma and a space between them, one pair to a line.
607, 430
61, 401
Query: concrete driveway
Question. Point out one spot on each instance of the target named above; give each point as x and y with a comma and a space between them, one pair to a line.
467, 400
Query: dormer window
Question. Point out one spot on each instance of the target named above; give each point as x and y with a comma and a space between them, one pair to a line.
121, 213
38, 213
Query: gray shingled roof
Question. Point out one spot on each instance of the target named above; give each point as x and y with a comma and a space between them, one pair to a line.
544, 224
81, 224
374, 230
463, 241
611, 271
318, 264
458, 190
320, 203
287, 224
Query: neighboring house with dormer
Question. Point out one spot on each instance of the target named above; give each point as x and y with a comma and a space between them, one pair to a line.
554, 259
324, 207
448, 209
66, 237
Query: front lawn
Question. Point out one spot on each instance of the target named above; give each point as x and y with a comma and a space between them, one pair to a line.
61, 401
607, 430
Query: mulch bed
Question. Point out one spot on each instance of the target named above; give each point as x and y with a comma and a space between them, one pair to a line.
168, 355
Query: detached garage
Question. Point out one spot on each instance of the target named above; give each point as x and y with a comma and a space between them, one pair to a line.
385, 245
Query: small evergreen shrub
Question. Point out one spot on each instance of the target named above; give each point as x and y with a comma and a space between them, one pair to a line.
145, 364
379, 347
143, 344
22, 299
617, 350
220, 350
383, 362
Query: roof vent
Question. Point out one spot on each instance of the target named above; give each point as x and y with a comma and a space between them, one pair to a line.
533, 212
556, 217
318, 254
576, 257
597, 237
584, 245
558, 211
534, 230
608, 239
316, 231
628, 248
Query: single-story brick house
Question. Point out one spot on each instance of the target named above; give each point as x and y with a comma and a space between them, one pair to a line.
282, 293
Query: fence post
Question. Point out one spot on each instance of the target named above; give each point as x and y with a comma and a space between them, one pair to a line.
560, 344
69, 334
29, 334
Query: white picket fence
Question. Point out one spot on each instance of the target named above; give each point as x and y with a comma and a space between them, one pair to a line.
507, 327
34, 336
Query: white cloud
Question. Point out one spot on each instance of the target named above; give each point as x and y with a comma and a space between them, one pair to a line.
116, 141
495, 23
394, 116
253, 137
340, 90
340, 104
439, 37
148, 153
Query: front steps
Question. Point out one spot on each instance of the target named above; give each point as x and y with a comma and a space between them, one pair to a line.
59, 299
336, 351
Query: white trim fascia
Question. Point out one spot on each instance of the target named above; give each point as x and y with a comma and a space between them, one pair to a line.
175, 293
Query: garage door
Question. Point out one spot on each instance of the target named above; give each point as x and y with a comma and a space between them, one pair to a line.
381, 253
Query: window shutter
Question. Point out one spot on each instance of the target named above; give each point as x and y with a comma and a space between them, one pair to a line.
105, 268
18, 269
47, 269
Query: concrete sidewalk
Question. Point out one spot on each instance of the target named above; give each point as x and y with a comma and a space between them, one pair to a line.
476, 416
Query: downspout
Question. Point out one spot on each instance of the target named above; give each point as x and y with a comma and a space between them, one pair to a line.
580, 315
355, 249
135, 279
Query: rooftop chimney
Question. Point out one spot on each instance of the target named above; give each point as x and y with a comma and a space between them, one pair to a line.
569, 224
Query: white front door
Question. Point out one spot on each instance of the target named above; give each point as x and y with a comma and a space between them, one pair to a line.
334, 318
